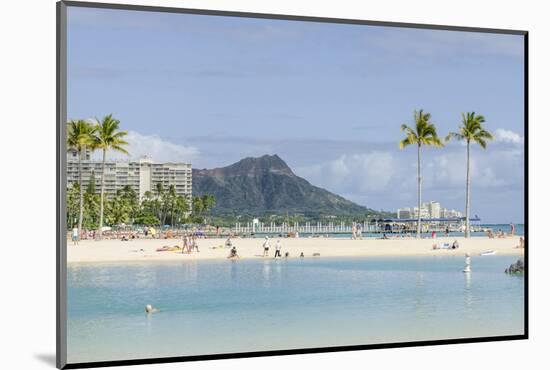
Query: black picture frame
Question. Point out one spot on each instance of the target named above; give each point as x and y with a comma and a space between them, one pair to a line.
61, 117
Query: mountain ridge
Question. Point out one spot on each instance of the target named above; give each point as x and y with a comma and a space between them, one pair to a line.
267, 185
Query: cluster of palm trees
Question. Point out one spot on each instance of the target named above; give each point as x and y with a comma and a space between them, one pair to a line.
101, 135
424, 134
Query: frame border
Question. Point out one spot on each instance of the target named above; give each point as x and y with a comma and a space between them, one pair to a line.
61, 173
61, 113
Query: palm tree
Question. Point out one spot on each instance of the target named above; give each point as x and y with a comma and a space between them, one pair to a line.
422, 134
471, 130
79, 138
107, 137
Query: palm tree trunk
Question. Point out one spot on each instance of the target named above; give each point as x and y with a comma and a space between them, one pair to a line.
81, 215
467, 230
418, 224
100, 231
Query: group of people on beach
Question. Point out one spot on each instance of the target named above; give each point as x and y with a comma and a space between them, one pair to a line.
500, 233
189, 243
278, 247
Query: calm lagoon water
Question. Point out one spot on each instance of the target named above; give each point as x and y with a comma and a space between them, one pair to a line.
252, 305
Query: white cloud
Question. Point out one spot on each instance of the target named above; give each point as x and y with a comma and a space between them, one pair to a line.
157, 148
507, 136
352, 173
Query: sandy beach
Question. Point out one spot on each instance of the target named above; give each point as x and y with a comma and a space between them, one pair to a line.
145, 249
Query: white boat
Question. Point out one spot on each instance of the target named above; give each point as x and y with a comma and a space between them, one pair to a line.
488, 253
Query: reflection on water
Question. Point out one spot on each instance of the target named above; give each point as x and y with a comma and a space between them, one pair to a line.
252, 305
266, 272
468, 296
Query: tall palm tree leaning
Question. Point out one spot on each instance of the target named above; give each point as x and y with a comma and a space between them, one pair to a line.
471, 130
422, 134
80, 137
107, 137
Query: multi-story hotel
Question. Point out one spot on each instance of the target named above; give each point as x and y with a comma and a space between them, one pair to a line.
142, 175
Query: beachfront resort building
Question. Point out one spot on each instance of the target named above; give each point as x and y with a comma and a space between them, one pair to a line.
142, 175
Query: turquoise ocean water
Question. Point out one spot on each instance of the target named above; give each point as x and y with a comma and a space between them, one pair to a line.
252, 305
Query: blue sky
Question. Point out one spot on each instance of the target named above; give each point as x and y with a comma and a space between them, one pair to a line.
327, 98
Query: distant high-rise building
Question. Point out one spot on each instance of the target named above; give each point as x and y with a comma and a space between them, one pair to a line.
434, 209
428, 210
424, 213
451, 213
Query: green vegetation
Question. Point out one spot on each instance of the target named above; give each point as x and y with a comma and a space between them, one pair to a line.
166, 208
423, 133
471, 130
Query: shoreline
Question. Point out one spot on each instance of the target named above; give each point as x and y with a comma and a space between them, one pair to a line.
144, 250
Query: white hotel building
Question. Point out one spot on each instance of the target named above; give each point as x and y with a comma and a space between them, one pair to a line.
428, 210
142, 175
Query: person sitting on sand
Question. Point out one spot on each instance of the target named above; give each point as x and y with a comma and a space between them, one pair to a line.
124, 238
455, 244
302, 255
266, 246
228, 243
233, 253
490, 234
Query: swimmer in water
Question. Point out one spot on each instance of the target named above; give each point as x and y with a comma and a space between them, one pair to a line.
151, 309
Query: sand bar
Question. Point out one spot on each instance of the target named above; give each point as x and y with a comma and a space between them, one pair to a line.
145, 249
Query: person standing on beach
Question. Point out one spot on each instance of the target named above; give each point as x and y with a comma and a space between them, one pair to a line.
359, 231
185, 244
266, 246
75, 235
512, 229
278, 249
194, 243
353, 231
